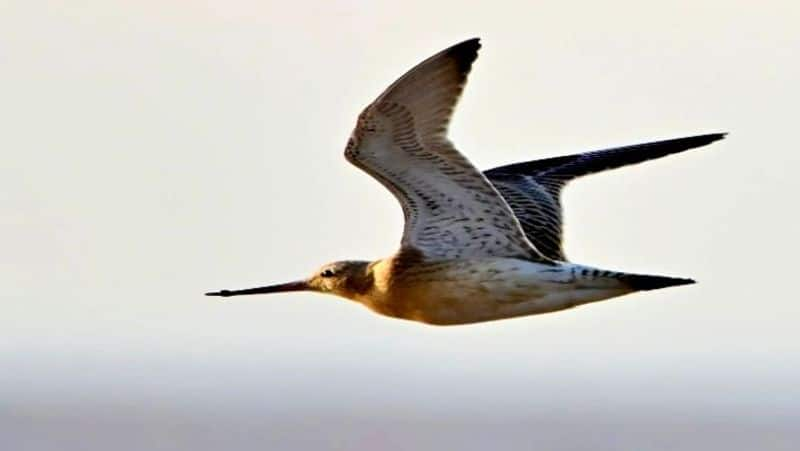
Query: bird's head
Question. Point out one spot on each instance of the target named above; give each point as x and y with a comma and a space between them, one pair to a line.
343, 278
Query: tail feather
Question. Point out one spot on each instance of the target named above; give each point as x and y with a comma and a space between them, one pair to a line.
572, 166
640, 282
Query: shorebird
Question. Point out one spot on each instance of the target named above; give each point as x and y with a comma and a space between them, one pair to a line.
475, 246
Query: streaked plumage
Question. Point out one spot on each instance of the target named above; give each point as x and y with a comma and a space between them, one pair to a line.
533, 189
451, 209
475, 246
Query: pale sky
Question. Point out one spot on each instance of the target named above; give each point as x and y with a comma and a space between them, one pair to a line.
153, 151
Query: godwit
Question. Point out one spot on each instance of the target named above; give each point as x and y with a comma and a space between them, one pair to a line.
476, 246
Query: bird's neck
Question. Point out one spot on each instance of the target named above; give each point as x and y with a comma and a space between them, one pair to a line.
360, 280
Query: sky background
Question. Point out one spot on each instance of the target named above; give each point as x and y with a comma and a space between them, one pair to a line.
153, 151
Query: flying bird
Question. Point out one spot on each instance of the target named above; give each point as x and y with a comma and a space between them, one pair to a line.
476, 246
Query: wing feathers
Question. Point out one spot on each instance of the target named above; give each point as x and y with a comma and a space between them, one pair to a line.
451, 209
533, 188
569, 167
431, 90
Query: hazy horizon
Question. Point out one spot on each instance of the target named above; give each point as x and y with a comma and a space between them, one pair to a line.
154, 151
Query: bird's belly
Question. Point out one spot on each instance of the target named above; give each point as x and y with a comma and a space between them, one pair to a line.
502, 289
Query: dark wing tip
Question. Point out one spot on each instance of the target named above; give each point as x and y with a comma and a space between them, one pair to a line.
223, 293
568, 167
464, 54
710, 138
452, 64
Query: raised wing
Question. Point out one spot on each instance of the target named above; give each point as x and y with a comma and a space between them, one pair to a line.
451, 210
533, 188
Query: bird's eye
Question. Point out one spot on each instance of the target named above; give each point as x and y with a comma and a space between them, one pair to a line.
326, 273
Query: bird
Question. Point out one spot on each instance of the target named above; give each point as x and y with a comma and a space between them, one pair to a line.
476, 246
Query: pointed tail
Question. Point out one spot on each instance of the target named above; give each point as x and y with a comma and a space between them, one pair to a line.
640, 282
572, 166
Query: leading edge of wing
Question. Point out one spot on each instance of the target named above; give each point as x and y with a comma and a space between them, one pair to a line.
451, 209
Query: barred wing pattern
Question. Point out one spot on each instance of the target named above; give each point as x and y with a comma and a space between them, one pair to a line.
451, 210
537, 207
533, 188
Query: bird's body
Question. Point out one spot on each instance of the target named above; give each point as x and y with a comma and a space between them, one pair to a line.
476, 246
461, 291
465, 291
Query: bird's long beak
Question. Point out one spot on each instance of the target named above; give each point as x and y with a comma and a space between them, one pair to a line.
299, 285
